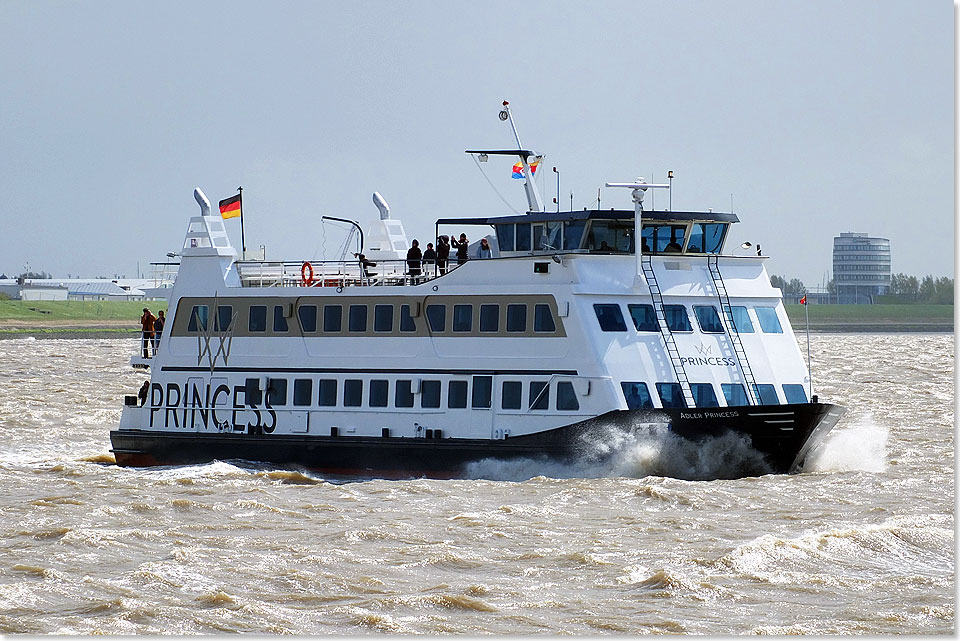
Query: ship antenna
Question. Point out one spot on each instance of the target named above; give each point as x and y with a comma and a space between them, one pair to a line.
639, 186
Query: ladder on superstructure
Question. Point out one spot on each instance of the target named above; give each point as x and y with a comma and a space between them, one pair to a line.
665, 332
731, 327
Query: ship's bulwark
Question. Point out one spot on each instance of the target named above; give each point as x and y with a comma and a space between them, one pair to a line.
707, 443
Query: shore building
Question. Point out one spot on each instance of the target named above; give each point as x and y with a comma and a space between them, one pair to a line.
861, 267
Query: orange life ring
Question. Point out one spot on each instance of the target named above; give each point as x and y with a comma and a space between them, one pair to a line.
306, 274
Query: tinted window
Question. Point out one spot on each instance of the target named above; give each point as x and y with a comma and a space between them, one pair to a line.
352, 393
198, 318
482, 391
430, 394
706, 237
769, 322
437, 317
734, 394
572, 234
383, 318
669, 238
252, 393
767, 393
644, 318
258, 318
610, 317
328, 392
407, 323
302, 391
637, 395
357, 318
505, 237
332, 318
462, 318
795, 393
279, 320
703, 395
539, 398
511, 394
567, 397
224, 317
378, 393
404, 395
457, 394
516, 318
523, 237
489, 318
276, 390
308, 318
543, 319
671, 395
741, 320
677, 319
708, 319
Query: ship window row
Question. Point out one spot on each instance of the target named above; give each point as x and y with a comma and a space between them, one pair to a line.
675, 317
637, 394
460, 394
611, 236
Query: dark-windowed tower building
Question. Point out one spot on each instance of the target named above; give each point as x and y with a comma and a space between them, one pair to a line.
861, 267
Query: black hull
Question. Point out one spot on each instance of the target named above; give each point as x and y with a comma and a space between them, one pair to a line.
782, 434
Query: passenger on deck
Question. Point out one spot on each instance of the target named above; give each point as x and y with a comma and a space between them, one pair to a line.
364, 264
484, 251
414, 256
443, 254
142, 393
462, 246
147, 323
430, 260
158, 324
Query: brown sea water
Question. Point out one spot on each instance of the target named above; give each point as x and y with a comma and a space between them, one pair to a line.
861, 542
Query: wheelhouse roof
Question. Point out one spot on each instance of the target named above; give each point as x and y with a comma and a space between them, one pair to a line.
596, 214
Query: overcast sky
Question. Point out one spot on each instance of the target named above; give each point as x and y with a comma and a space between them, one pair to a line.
818, 117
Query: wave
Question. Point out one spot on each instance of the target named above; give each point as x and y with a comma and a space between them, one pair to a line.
858, 446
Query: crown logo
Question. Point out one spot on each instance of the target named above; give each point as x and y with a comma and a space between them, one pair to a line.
211, 332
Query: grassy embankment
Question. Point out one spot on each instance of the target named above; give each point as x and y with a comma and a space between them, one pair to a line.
873, 318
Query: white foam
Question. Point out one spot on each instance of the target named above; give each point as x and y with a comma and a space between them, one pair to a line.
859, 446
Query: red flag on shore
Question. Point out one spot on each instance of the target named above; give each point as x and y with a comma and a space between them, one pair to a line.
803, 301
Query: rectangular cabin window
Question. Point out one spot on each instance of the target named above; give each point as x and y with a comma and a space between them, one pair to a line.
224, 318
328, 392
252, 392
407, 324
794, 393
516, 318
332, 319
457, 394
741, 320
523, 237
767, 394
769, 322
644, 318
610, 236
511, 395
637, 395
307, 315
198, 318
543, 319
567, 397
703, 395
430, 394
669, 238
462, 318
573, 233
505, 237
279, 320
646, 239
610, 317
677, 319
357, 321
383, 318
539, 398
552, 237
437, 318
539, 236
352, 392
708, 319
379, 390
706, 238
482, 392
302, 391
276, 390
489, 318
258, 318
671, 395
403, 396
734, 394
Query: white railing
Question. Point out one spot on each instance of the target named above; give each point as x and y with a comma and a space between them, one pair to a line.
336, 273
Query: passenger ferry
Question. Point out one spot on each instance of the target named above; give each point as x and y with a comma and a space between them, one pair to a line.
566, 335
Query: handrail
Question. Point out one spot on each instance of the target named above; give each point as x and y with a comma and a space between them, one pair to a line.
338, 273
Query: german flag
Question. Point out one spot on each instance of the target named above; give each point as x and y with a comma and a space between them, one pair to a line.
230, 208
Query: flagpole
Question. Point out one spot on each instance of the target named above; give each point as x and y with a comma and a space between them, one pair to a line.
243, 243
806, 313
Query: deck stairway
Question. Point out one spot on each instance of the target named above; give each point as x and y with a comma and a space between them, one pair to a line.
731, 327
665, 332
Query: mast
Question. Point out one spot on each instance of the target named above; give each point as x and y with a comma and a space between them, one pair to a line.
638, 187
533, 196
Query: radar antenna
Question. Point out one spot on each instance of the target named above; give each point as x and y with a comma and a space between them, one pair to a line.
639, 187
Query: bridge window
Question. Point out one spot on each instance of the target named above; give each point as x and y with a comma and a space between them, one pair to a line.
482, 391
308, 318
198, 318
328, 392
258, 318
225, 317
637, 395
767, 394
769, 322
741, 320
610, 236
511, 395
383, 318
462, 318
457, 394
302, 391
668, 238
610, 317
573, 233
430, 394
543, 319
703, 395
706, 238
539, 395
567, 397
357, 318
505, 237
403, 396
677, 319
276, 391
353, 392
516, 318
437, 318
644, 318
332, 318
279, 320
378, 393
708, 319
794, 393
671, 395
489, 318
734, 394
407, 324
523, 237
